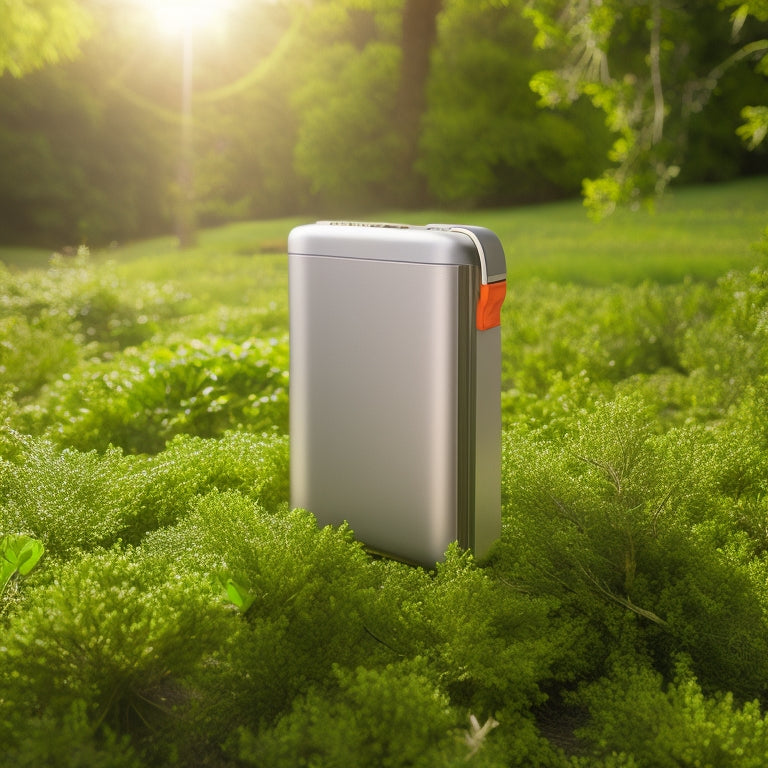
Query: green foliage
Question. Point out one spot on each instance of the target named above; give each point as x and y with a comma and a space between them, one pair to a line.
40, 32
391, 717
51, 319
606, 518
294, 110
319, 608
307, 589
755, 127
77, 501
636, 716
76, 155
490, 663
255, 465
142, 398
18, 556
346, 144
67, 499
68, 741
604, 334
730, 346
628, 61
482, 144
108, 632
184, 614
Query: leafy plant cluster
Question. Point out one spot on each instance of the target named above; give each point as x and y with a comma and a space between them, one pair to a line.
52, 319
694, 350
142, 398
162, 605
651, 67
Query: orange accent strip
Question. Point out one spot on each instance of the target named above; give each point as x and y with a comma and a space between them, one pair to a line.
489, 305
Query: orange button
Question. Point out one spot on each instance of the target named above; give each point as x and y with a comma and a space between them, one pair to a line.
489, 305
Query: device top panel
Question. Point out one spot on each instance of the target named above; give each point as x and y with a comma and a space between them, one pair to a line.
383, 242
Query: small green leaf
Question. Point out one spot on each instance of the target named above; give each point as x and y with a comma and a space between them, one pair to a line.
22, 552
18, 554
239, 595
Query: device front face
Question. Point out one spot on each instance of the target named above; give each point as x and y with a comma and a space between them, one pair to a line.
395, 383
380, 389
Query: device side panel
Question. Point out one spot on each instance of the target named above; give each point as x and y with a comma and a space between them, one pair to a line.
487, 506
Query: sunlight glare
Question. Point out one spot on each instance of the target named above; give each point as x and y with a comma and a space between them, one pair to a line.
185, 16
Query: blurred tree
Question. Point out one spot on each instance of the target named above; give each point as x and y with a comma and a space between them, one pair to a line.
246, 125
34, 33
419, 33
81, 162
650, 65
348, 145
80, 165
337, 107
484, 141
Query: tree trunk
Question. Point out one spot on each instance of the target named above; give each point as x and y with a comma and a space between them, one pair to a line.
419, 34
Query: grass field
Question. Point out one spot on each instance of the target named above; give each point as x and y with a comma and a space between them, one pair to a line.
698, 232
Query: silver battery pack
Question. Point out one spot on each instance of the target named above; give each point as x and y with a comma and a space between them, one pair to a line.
395, 378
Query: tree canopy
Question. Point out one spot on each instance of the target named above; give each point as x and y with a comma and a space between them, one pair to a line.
650, 66
34, 33
322, 107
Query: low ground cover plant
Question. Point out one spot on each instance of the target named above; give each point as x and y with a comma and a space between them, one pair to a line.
161, 604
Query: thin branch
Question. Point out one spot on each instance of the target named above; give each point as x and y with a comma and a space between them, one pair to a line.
624, 601
565, 513
383, 642
655, 64
659, 509
608, 469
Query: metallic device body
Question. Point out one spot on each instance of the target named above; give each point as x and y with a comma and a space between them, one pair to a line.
395, 394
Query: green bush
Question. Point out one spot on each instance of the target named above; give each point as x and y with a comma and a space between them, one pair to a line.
731, 347
52, 319
67, 741
168, 483
69, 500
316, 608
74, 501
182, 614
609, 333
634, 715
481, 638
606, 520
307, 589
394, 717
142, 398
112, 633
35, 351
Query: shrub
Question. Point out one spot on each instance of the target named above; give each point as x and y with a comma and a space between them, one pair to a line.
112, 633
731, 348
607, 521
606, 334
393, 717
35, 351
315, 607
168, 483
306, 590
142, 398
635, 715
50, 320
67, 499
78, 501
67, 740
481, 639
